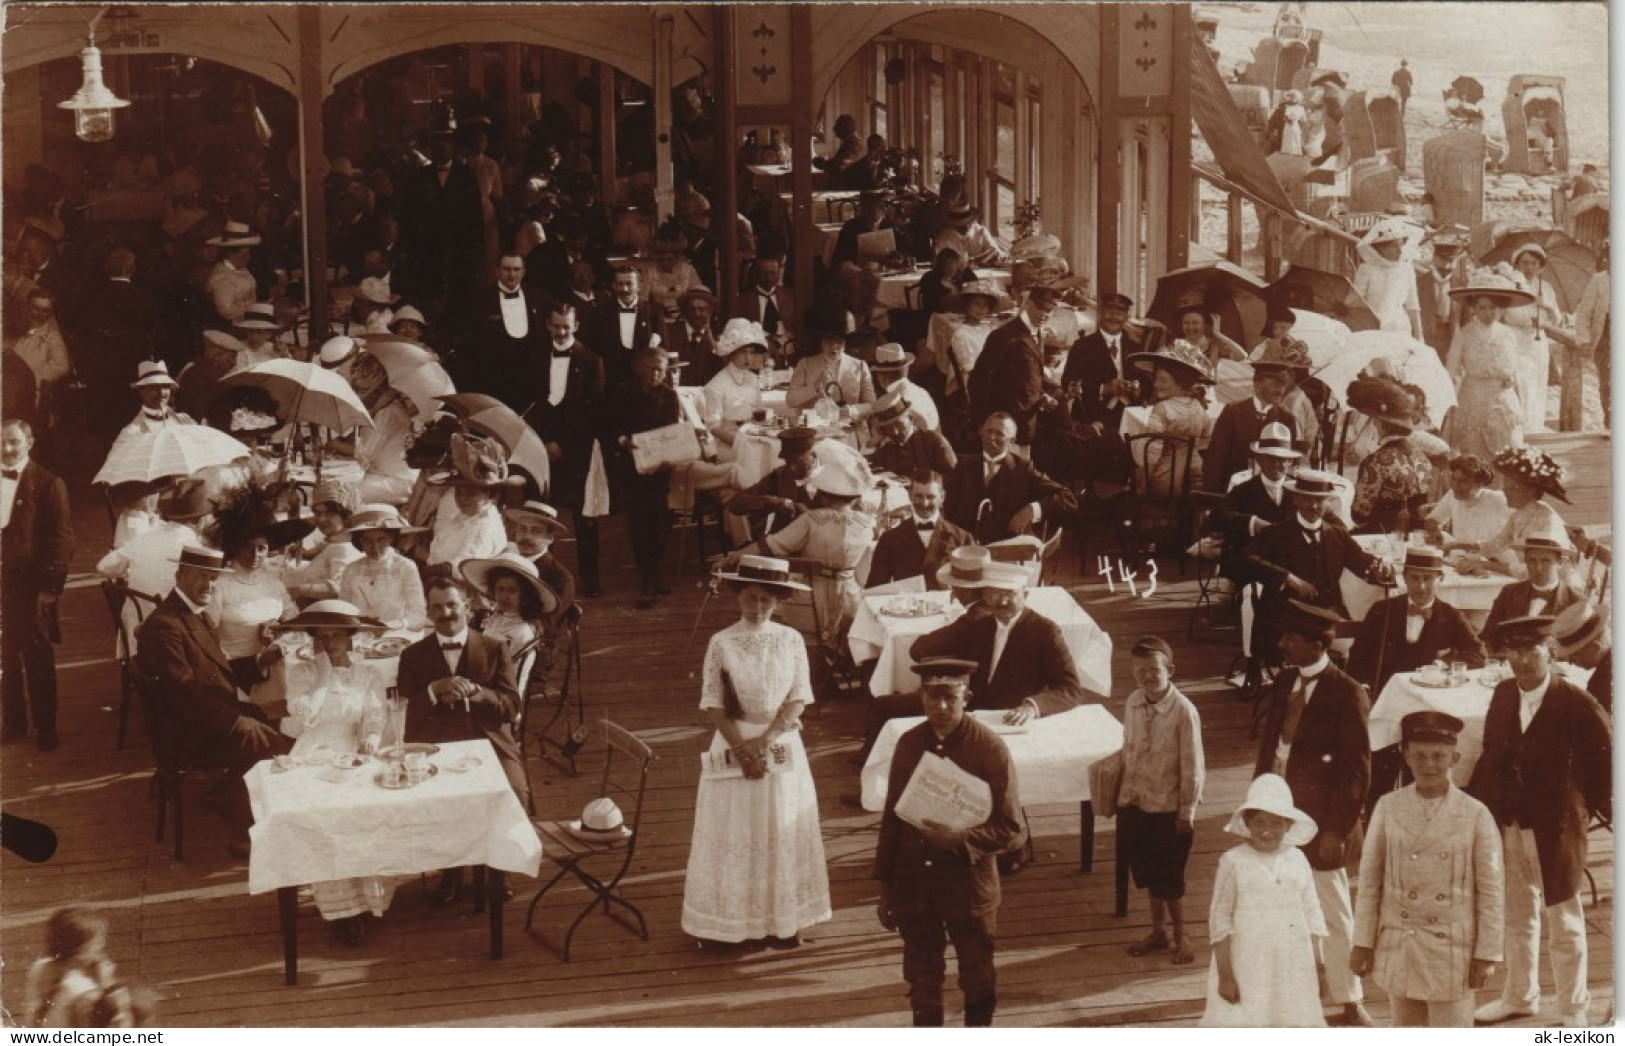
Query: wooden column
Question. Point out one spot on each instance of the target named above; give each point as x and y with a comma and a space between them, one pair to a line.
665, 190
727, 147
513, 100
1179, 140
1232, 227
1111, 174
313, 170
610, 189
1571, 407
801, 217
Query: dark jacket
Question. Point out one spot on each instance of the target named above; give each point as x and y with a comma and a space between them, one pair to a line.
925, 451
1329, 766
490, 713
1035, 662
967, 880
196, 687
1090, 365
1014, 486
1283, 550
574, 423
1601, 683
1235, 430
1513, 602
492, 358
1446, 634
752, 502
1246, 500
604, 337
1550, 778
1009, 377
901, 554
38, 539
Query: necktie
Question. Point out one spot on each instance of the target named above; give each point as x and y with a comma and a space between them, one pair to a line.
1312, 537
989, 470
925, 524
770, 314
1425, 613
510, 295
11, 473
1295, 704
628, 309
451, 646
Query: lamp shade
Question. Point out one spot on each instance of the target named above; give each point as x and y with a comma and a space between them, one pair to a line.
93, 103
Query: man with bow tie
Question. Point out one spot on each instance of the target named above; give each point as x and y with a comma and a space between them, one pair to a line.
37, 534
1261, 500
767, 301
1094, 368
920, 543
509, 329
1241, 422
1405, 632
156, 390
1315, 735
567, 386
1544, 590
459, 686
693, 337
998, 494
625, 327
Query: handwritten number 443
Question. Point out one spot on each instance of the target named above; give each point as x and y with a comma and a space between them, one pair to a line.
1120, 570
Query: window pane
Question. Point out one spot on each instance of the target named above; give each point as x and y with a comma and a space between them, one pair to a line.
937, 116
1034, 166
1004, 160
877, 119
880, 74
1005, 204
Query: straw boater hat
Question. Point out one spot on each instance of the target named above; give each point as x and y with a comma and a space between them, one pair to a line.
1576, 628
972, 566
408, 312
152, 372
197, 557
336, 352
536, 514
260, 316
1312, 481
1554, 542
1270, 794
739, 334
381, 518
890, 407
700, 294
1180, 357
1383, 399
477, 462
331, 613
1488, 284
1288, 354
222, 340
481, 573
601, 822
1275, 441
1423, 558
1533, 468
765, 571
236, 234
997, 300
891, 356
841, 471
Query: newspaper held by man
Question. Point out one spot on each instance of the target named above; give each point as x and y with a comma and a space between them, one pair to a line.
940, 792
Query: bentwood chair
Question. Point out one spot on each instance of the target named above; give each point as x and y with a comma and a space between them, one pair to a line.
625, 780
121, 598
172, 770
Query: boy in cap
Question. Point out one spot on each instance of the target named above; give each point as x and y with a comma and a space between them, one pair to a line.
938, 883
774, 501
1427, 928
1545, 772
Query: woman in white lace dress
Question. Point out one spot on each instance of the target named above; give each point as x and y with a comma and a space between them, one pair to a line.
756, 865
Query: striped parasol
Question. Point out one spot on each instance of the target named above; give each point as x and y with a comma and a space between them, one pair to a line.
174, 450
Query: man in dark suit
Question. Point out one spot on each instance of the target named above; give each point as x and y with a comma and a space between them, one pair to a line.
1095, 373
919, 545
998, 494
569, 245
905, 448
509, 329
693, 337
569, 419
871, 217
1241, 422
1545, 772
1402, 633
453, 192
625, 327
1434, 282
117, 324
1259, 502
1009, 374
1315, 736
1543, 591
939, 884
766, 300
36, 539
198, 704
1304, 558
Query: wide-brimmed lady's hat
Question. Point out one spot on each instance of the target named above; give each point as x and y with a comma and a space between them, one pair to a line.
601, 822
765, 571
1312, 481
1424, 558
222, 340
1529, 248
1577, 627
1488, 284
258, 521
891, 356
187, 499
335, 492
1534, 468
537, 514
1038, 245
236, 234
997, 300
973, 566
841, 471
1181, 358
1286, 354
1383, 399
740, 334
477, 462
384, 518
152, 372
1270, 794
331, 613
336, 352
407, 312
959, 212
483, 575
260, 316
246, 421
1389, 230
1275, 441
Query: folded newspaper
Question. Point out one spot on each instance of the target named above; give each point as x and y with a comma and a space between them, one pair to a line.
940, 791
778, 760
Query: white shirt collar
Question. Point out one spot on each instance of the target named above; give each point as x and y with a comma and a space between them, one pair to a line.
1311, 673
1313, 528
460, 638
193, 607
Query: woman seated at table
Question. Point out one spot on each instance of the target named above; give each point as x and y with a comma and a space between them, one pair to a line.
1471, 511
327, 551
250, 594
977, 301
1201, 330
1395, 479
734, 392
835, 533
1177, 372
756, 864
521, 612
337, 705
1527, 474
383, 583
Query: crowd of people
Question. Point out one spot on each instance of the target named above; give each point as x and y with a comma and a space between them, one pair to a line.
998, 426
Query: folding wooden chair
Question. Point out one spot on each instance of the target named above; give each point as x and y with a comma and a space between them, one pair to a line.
625, 780
1209, 554
171, 772
562, 729
1156, 514
119, 596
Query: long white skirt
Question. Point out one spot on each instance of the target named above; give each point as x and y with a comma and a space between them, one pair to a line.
1533, 374
756, 865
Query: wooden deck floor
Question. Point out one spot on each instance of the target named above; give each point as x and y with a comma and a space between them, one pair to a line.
190, 931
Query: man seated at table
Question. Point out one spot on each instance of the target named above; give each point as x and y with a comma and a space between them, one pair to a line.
871, 217
774, 501
1581, 637
197, 696
459, 686
891, 367
1543, 590
903, 448
1241, 422
999, 494
534, 527
920, 544
1260, 501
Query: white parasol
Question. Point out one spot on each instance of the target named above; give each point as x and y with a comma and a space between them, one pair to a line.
174, 450
305, 393
413, 371
1412, 362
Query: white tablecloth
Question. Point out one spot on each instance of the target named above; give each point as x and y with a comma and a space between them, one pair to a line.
888, 640
307, 829
1403, 695
894, 286
756, 452
1473, 596
1052, 755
